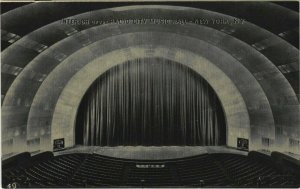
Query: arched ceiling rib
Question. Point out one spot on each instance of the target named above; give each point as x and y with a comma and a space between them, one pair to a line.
219, 39
261, 40
270, 16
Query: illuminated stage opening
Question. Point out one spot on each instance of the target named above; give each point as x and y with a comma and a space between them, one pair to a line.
150, 102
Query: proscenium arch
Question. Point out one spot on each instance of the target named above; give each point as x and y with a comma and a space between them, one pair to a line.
157, 38
33, 107
62, 123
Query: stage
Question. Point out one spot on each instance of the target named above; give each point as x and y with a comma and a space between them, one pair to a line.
150, 152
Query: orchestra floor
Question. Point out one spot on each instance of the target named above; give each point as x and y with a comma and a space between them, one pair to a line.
80, 170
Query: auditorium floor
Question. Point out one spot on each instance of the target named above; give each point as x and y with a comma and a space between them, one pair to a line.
150, 152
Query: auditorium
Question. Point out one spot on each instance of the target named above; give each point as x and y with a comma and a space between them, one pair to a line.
147, 94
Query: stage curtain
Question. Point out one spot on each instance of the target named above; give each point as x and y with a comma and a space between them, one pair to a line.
151, 102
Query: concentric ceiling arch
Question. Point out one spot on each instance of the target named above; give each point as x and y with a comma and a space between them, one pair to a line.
234, 59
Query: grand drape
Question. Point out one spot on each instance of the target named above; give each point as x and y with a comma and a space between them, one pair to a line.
150, 101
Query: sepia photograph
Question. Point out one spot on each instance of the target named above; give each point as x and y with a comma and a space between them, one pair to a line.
150, 94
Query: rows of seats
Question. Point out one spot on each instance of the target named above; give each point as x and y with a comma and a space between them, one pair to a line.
248, 172
201, 171
92, 170
98, 170
162, 176
50, 173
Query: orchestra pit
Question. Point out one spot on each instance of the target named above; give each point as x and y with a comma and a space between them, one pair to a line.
136, 94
